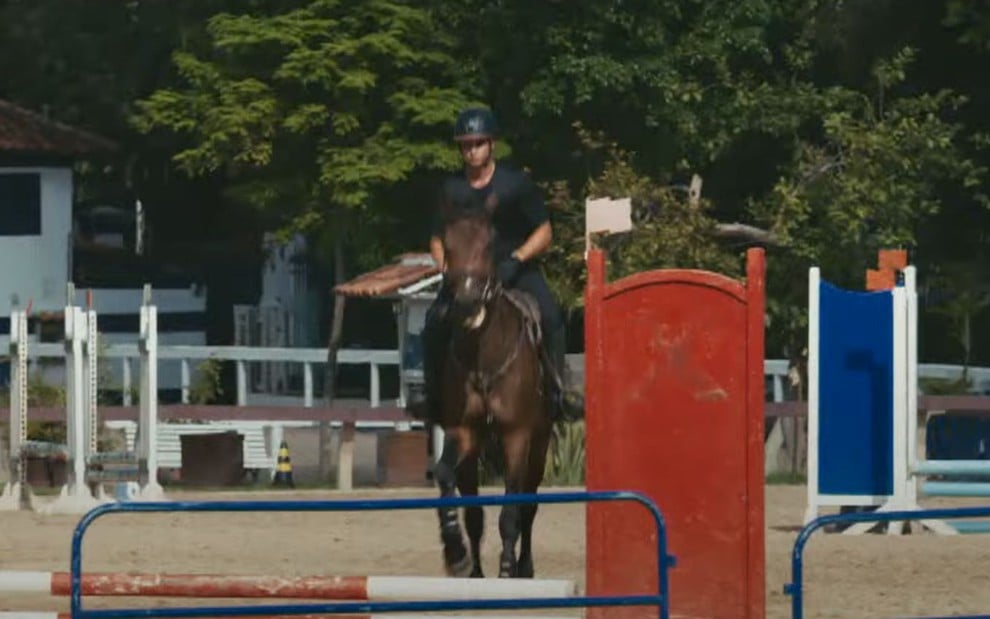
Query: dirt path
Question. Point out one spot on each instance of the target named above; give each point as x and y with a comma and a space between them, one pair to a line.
848, 577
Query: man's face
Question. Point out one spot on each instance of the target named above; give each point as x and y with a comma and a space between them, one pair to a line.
476, 151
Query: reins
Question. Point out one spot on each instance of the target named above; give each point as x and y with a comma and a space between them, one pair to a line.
488, 379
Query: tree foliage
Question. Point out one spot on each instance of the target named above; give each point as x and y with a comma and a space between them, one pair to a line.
830, 143
873, 178
315, 111
669, 229
842, 128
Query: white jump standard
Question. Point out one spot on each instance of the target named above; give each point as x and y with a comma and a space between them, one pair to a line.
83, 488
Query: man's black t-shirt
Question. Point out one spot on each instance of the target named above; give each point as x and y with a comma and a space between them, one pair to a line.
519, 207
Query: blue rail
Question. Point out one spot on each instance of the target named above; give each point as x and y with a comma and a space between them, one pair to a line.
660, 599
795, 587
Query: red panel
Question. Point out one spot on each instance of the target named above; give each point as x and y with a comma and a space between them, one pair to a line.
674, 383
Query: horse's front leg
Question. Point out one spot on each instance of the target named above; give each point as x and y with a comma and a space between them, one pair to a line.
510, 523
474, 516
456, 559
537, 464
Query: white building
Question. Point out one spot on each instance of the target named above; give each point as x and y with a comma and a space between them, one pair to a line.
38, 236
286, 314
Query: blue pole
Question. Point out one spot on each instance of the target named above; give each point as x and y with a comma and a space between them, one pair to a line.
660, 599
795, 587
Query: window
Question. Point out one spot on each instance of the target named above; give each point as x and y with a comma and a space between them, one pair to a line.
20, 204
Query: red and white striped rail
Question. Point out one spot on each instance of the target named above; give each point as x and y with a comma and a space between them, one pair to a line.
300, 587
28, 614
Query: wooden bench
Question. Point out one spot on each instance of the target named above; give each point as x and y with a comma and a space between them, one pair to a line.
260, 449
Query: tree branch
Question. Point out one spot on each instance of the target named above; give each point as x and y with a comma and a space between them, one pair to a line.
745, 232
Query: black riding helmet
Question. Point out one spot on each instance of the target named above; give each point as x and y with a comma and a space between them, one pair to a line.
474, 123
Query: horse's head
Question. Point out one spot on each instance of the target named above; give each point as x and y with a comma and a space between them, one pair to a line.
468, 243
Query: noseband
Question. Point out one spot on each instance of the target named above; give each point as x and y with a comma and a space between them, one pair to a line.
491, 286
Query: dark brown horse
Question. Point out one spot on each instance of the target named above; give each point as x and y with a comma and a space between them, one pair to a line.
492, 388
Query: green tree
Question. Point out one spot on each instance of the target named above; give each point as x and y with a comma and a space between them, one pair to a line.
972, 20
314, 113
870, 177
837, 145
670, 229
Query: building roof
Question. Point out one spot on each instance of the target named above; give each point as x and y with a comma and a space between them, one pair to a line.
408, 269
25, 131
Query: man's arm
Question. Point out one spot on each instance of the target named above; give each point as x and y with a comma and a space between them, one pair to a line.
535, 210
436, 250
536, 244
436, 227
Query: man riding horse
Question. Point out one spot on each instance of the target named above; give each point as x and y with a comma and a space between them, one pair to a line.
523, 232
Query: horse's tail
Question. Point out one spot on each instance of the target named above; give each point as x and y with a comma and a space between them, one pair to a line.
492, 458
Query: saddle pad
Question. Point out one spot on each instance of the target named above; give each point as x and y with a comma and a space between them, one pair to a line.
530, 310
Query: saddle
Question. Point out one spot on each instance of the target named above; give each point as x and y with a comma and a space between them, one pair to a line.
530, 310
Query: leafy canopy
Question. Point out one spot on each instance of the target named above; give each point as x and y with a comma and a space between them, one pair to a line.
315, 111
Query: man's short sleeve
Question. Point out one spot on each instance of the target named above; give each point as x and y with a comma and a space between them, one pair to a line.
531, 203
436, 223
436, 215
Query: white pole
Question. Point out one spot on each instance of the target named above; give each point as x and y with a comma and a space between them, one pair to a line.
125, 368
184, 379
75, 497
138, 228
17, 493
147, 449
899, 450
814, 317
911, 290
92, 385
76, 436
308, 384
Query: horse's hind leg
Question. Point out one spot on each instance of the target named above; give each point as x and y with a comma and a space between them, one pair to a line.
455, 556
474, 516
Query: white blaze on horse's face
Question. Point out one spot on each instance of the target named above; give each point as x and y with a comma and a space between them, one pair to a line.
474, 288
475, 321
467, 243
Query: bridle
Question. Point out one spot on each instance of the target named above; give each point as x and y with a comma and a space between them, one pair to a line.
483, 380
491, 290
491, 286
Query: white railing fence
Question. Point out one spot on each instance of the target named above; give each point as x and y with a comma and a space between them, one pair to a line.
123, 359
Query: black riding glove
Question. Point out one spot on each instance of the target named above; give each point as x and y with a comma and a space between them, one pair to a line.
508, 269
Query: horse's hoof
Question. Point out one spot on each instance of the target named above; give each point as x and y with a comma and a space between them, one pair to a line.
507, 570
525, 570
460, 568
477, 573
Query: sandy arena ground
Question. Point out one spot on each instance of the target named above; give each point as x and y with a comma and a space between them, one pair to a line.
846, 576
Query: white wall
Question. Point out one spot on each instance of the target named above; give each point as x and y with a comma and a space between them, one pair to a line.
36, 268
